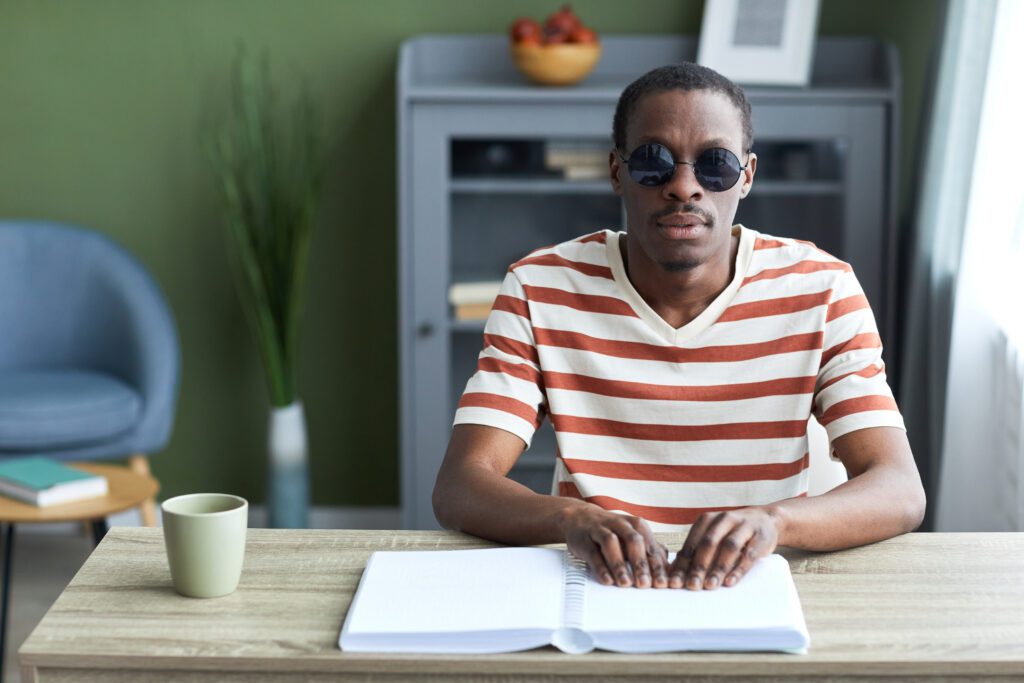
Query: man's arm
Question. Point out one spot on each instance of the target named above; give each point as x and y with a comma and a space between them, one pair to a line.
474, 495
883, 498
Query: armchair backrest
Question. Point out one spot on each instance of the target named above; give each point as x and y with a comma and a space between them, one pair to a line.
72, 298
62, 292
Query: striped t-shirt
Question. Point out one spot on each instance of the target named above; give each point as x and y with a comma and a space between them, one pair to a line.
666, 423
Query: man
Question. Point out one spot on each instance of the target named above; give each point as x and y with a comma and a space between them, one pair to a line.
679, 363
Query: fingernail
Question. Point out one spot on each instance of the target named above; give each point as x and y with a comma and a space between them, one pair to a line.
694, 583
606, 578
712, 583
623, 579
644, 580
675, 581
730, 580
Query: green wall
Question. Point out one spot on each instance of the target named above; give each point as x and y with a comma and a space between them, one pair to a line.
99, 106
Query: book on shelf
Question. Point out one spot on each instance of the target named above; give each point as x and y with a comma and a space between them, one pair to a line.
587, 173
473, 312
568, 153
482, 292
596, 158
44, 482
577, 160
512, 599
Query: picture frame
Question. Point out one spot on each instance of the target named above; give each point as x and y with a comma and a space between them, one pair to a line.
759, 42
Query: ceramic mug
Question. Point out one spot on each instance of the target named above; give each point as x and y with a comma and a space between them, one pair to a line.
204, 534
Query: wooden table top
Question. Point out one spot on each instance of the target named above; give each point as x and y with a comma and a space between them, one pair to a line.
126, 489
949, 605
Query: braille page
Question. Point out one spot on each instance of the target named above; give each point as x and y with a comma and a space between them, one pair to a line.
764, 599
466, 591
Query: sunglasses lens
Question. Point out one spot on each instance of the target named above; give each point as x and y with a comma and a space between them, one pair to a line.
717, 169
651, 165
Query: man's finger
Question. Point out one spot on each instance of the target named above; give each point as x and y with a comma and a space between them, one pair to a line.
608, 541
757, 547
730, 551
657, 555
681, 565
635, 546
598, 567
657, 558
583, 547
707, 548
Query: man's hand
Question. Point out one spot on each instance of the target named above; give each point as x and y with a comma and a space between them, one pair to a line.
722, 546
618, 549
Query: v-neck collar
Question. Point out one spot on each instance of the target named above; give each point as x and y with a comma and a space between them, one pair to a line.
708, 316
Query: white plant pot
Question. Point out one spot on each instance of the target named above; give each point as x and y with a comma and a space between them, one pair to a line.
286, 438
288, 468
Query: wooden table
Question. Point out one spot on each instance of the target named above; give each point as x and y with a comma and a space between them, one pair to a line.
943, 606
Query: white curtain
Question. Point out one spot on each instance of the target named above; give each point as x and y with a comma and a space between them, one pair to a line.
981, 473
943, 178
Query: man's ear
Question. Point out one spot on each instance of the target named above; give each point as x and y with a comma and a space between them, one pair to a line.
614, 164
748, 175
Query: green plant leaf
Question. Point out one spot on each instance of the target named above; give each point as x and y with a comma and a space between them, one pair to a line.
268, 160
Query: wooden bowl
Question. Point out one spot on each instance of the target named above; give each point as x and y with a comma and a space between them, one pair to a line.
561, 64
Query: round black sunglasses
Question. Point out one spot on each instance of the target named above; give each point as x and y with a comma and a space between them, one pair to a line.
717, 169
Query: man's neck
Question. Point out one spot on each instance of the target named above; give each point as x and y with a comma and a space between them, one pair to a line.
679, 297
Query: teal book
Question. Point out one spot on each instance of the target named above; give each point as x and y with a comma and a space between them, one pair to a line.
44, 482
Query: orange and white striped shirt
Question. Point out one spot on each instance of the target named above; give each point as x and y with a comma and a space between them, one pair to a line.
668, 423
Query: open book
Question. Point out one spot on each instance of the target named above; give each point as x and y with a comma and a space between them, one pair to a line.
510, 599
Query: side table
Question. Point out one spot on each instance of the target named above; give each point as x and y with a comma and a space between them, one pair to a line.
125, 489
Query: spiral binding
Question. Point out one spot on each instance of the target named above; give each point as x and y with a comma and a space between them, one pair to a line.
574, 590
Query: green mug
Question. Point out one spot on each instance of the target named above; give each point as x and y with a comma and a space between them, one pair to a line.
204, 534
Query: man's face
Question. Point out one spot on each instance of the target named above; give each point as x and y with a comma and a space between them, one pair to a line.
680, 225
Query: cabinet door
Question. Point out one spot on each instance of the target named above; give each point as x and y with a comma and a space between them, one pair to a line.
440, 211
824, 177
425, 360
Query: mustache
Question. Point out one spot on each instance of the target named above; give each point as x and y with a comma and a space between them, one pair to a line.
683, 208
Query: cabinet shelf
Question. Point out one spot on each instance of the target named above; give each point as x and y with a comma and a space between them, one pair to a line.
797, 187
476, 186
528, 186
468, 325
535, 461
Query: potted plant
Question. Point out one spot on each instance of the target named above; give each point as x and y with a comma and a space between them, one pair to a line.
268, 160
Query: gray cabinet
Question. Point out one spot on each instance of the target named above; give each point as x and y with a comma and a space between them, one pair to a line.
475, 196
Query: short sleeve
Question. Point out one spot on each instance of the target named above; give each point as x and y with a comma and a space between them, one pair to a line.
507, 390
851, 391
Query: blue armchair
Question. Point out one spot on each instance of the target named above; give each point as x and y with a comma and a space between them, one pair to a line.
89, 360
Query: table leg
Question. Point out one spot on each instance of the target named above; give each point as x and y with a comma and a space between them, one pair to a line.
8, 530
99, 530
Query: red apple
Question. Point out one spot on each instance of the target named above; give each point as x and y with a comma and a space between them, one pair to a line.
526, 30
555, 37
582, 34
563, 21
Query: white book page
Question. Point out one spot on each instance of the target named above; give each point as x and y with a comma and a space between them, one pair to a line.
459, 591
764, 598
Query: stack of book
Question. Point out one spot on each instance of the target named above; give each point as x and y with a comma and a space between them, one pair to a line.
473, 300
44, 482
577, 160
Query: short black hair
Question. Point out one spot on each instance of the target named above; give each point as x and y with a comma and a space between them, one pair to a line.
685, 76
